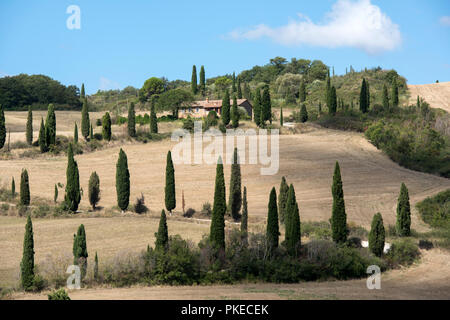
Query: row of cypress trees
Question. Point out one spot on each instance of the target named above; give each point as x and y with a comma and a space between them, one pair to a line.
196, 87
262, 107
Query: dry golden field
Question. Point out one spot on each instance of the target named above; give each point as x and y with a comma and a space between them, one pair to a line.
436, 94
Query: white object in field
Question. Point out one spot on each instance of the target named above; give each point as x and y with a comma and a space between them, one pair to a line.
289, 124
387, 246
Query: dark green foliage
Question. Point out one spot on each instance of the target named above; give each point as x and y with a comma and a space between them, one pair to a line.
233, 85
42, 138
235, 113
55, 194
281, 117
239, 90
24, 189
82, 93
394, 93
139, 205
244, 218
302, 91
338, 215
202, 81
403, 225
72, 196
226, 108
257, 107
153, 120
266, 105
436, 210
96, 278
235, 197
85, 123
385, 98
122, 181
292, 222
332, 102
75, 134
60, 294
13, 188
162, 236
273, 231
170, 198
403, 252
131, 121
106, 127
377, 235
94, 189
194, 86
363, 102
303, 113
50, 126
91, 132
29, 130
368, 94
27, 264
282, 200
2, 127
79, 250
217, 232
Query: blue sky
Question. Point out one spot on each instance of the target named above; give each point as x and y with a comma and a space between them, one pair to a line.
123, 43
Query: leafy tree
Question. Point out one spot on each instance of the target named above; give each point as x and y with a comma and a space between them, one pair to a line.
170, 198
403, 225
131, 121
235, 114
266, 105
217, 232
385, 98
376, 235
257, 107
152, 86
75, 134
79, 250
85, 123
244, 219
202, 81
273, 231
55, 194
27, 264
338, 215
94, 189
29, 132
122, 181
50, 126
303, 113
173, 100
194, 87
302, 91
363, 106
72, 196
226, 108
162, 236
239, 90
153, 120
292, 222
106, 127
222, 84
235, 197
282, 200
42, 138
24, 189
2, 127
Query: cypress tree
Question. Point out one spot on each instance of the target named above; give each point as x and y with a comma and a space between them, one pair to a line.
55, 194
96, 267
377, 235
42, 138
363, 97
13, 188
394, 94
79, 250
281, 117
50, 126
233, 86
292, 222
94, 190
202, 80
244, 219
418, 103
403, 225
368, 95
91, 132
162, 236
170, 198
194, 80
282, 200
302, 91
153, 120
106, 127
303, 113
273, 231
122, 181
235, 197
82, 93
226, 108
217, 232
27, 264
338, 215
257, 107
332, 106
2, 127
328, 92
235, 114
385, 98
266, 105
131, 121
24, 189
72, 196
85, 123
320, 107
75, 134
239, 90
29, 133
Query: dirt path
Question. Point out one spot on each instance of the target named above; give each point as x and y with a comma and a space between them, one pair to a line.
436, 94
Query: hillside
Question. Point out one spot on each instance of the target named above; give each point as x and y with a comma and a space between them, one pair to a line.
436, 94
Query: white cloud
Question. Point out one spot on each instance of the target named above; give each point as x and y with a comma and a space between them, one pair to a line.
107, 84
445, 21
353, 24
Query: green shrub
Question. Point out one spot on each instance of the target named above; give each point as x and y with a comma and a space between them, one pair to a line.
403, 252
436, 210
60, 294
